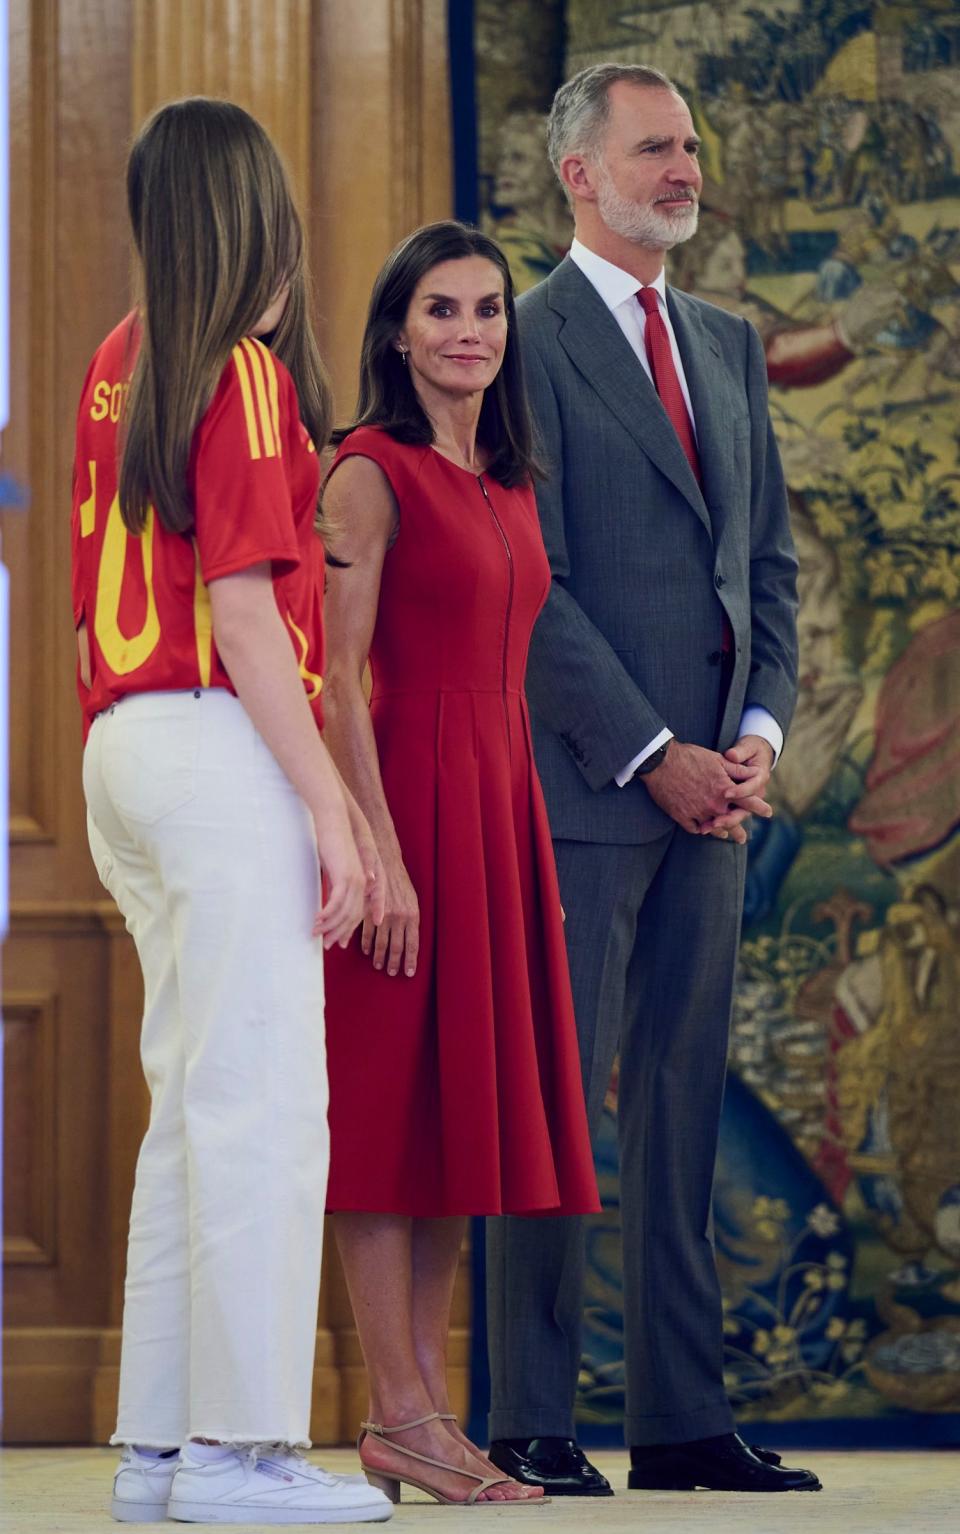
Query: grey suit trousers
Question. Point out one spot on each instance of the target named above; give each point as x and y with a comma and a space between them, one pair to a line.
652, 934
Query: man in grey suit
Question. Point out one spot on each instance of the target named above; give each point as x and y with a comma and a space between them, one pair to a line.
662, 679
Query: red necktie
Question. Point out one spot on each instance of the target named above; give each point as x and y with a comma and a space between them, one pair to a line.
667, 383
665, 378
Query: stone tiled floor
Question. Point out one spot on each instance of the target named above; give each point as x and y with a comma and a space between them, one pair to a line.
46, 1491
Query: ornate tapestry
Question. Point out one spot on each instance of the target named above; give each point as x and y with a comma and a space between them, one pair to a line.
831, 219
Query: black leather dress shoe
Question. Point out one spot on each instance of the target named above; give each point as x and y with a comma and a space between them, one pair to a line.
556, 1464
720, 1464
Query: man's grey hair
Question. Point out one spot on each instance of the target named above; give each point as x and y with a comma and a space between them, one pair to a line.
581, 107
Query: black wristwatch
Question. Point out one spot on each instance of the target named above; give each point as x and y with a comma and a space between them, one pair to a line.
653, 760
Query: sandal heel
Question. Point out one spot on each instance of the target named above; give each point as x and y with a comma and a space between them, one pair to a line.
385, 1483
390, 1484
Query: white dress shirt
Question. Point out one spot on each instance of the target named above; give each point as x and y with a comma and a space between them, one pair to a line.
619, 290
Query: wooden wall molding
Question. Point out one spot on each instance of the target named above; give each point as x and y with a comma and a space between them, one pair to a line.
26, 828
30, 1181
52, 916
47, 1384
29, 540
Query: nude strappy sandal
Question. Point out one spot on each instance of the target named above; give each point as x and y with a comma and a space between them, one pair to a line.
390, 1484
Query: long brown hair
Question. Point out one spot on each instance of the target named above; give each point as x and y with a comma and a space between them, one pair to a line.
218, 236
387, 397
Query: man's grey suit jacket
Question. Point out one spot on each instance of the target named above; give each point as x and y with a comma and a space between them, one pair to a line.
645, 564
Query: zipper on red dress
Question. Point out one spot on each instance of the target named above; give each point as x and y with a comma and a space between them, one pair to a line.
506, 630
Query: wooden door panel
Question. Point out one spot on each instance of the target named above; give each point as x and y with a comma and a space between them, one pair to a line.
82, 74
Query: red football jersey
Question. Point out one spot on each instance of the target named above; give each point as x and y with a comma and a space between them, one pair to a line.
253, 479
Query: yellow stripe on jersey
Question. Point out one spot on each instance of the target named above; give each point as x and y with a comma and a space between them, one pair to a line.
263, 409
314, 681
270, 368
88, 508
202, 622
249, 411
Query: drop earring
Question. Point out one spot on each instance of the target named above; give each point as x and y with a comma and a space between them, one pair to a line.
403, 354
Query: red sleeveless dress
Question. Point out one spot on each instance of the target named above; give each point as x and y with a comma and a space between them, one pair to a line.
459, 1091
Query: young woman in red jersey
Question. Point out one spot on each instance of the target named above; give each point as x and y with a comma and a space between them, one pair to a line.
197, 583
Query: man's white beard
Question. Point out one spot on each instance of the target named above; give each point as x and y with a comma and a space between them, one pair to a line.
645, 226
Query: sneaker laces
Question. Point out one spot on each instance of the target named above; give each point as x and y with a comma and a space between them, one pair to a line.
251, 1452
285, 1452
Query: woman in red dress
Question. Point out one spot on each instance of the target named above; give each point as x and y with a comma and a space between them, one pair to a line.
454, 1069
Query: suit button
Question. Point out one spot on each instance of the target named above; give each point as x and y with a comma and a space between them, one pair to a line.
715, 657
718, 580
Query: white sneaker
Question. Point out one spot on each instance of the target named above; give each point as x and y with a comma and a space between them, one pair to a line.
141, 1487
269, 1483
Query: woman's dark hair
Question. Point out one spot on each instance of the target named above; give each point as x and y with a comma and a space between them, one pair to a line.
218, 237
387, 397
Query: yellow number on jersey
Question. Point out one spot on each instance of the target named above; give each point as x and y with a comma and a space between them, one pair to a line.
123, 653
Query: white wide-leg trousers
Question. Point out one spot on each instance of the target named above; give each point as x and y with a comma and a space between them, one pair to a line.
210, 855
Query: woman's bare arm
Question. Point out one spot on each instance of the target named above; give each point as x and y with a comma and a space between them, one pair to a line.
83, 652
360, 506
255, 649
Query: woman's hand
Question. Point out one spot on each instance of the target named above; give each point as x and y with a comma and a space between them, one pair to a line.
395, 939
344, 878
370, 860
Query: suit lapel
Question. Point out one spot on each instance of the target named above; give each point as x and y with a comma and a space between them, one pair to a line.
596, 346
706, 381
